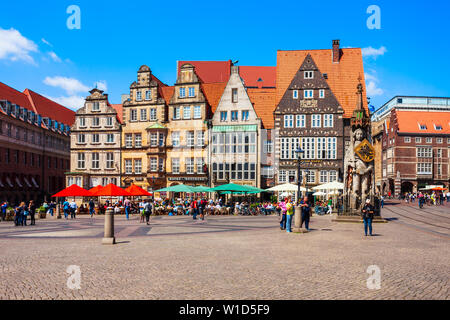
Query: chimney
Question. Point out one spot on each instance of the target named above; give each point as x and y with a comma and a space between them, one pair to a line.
234, 69
336, 51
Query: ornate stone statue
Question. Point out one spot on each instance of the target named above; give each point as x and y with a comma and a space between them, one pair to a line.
358, 162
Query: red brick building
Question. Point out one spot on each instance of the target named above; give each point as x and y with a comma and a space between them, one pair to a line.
34, 145
416, 147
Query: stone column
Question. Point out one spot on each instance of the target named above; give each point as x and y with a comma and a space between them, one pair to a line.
109, 227
298, 221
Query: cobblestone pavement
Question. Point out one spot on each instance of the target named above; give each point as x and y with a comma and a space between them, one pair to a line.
229, 258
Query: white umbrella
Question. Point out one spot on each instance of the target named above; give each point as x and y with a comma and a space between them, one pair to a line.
319, 193
330, 186
333, 193
285, 194
286, 187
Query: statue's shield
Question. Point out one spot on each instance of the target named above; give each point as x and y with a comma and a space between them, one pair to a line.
365, 151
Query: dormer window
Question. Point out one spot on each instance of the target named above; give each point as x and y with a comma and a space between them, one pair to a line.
95, 106
422, 126
309, 74
295, 94
437, 127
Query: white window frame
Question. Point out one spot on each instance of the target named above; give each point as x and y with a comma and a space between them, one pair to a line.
308, 94
95, 160
294, 94
176, 138
175, 166
316, 121
143, 114
128, 166
109, 160
288, 120
308, 74
137, 166
153, 114
321, 93
197, 112
328, 120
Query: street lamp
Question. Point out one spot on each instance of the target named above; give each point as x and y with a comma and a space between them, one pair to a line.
299, 153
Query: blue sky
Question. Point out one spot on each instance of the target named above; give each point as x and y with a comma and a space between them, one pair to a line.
407, 56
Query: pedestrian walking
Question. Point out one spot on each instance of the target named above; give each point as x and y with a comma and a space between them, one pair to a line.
194, 207
17, 216
66, 208
91, 207
367, 215
306, 212
289, 214
73, 209
382, 201
32, 211
147, 211
330, 206
24, 212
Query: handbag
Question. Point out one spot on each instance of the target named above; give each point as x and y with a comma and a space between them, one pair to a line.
25, 213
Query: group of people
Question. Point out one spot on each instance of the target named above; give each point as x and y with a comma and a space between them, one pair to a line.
286, 209
21, 213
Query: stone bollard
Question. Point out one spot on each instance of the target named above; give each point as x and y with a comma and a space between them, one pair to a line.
58, 212
298, 221
109, 227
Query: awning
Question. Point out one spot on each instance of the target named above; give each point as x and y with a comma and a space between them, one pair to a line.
236, 128
27, 182
18, 182
34, 182
8, 180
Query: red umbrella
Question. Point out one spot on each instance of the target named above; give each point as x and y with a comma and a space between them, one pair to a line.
95, 189
134, 190
439, 189
111, 190
72, 191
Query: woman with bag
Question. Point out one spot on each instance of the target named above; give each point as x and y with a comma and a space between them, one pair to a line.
32, 211
24, 212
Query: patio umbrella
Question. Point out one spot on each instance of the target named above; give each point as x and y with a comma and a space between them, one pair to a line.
111, 190
201, 189
232, 187
95, 189
72, 191
134, 190
319, 193
178, 188
286, 187
330, 186
439, 189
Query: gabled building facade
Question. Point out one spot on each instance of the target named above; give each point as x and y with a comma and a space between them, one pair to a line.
235, 144
309, 117
189, 112
144, 133
95, 143
315, 99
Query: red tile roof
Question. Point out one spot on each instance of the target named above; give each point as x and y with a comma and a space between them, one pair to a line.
210, 71
167, 93
213, 92
219, 71
264, 104
48, 108
119, 110
14, 96
251, 75
410, 121
342, 76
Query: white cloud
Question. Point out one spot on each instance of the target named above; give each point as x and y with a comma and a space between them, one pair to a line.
373, 52
70, 85
15, 47
54, 56
372, 85
73, 102
102, 85
373, 90
46, 42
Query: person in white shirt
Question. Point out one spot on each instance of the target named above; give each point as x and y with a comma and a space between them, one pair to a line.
73, 209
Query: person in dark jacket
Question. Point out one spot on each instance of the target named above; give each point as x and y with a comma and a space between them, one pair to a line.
367, 215
32, 211
306, 212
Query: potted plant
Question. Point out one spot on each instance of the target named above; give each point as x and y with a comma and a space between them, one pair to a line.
42, 214
10, 214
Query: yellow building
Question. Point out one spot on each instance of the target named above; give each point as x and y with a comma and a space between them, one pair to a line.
190, 111
144, 133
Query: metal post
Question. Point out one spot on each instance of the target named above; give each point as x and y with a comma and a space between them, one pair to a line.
109, 227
